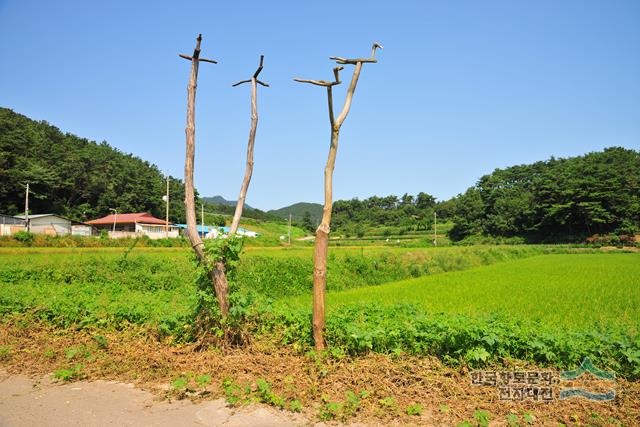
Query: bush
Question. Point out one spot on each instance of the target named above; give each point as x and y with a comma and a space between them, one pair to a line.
24, 237
455, 339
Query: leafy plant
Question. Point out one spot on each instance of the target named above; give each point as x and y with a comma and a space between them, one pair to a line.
528, 418
414, 409
5, 352
295, 405
233, 392
513, 420
203, 380
266, 395
69, 374
180, 383
101, 341
481, 417
24, 237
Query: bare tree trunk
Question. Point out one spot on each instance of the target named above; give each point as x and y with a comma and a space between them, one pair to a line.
324, 229
249, 169
214, 270
321, 248
252, 139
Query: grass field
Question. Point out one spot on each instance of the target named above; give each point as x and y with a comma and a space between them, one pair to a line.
546, 304
568, 290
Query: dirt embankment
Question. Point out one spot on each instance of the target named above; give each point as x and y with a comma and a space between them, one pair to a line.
373, 390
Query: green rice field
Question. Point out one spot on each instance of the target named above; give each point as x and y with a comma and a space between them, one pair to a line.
551, 305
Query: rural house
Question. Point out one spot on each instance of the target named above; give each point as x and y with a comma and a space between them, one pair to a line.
134, 225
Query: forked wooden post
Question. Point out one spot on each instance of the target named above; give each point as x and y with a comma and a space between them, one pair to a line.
322, 233
215, 270
252, 138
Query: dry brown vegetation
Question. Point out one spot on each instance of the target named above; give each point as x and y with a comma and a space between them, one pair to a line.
391, 383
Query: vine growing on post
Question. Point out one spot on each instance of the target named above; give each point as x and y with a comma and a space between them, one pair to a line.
322, 233
219, 257
214, 266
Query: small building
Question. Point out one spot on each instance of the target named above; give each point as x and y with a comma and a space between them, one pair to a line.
213, 232
205, 232
10, 225
134, 225
49, 224
240, 232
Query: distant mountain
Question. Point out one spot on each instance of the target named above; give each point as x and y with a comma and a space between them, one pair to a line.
297, 211
219, 200
222, 206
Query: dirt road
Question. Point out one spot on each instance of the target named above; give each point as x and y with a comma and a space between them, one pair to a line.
28, 402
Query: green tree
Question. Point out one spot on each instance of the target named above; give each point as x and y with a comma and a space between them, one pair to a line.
307, 223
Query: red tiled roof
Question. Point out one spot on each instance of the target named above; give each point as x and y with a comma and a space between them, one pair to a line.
128, 218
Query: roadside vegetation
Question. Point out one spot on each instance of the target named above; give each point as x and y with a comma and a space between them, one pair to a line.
407, 312
551, 309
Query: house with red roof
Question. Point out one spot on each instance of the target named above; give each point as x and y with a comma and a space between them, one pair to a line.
134, 225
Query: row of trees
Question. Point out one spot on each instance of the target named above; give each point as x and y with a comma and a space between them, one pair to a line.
75, 177
405, 211
555, 200
82, 179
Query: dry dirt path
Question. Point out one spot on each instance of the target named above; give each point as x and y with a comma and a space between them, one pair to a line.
29, 402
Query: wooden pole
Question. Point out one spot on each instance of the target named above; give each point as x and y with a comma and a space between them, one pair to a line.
323, 230
289, 228
166, 226
216, 271
435, 229
252, 139
26, 209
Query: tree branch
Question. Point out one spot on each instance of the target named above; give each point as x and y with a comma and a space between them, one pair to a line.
336, 73
255, 76
330, 101
354, 61
350, 92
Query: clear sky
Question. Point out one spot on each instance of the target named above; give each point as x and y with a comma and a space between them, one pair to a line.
462, 87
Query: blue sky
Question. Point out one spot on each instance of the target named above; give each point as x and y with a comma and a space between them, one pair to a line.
462, 87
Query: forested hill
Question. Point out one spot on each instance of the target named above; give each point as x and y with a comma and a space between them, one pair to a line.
219, 200
75, 177
298, 211
555, 200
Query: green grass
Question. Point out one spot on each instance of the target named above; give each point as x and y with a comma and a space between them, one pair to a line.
155, 286
568, 290
480, 304
551, 310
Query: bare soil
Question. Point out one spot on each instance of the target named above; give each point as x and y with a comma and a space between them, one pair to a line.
39, 402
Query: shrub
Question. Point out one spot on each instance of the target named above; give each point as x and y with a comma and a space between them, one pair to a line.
24, 237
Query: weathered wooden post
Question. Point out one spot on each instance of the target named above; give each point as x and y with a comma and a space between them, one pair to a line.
252, 138
215, 270
322, 233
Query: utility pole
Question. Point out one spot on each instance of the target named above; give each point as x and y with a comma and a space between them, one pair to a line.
166, 226
115, 218
202, 219
26, 209
435, 228
289, 227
